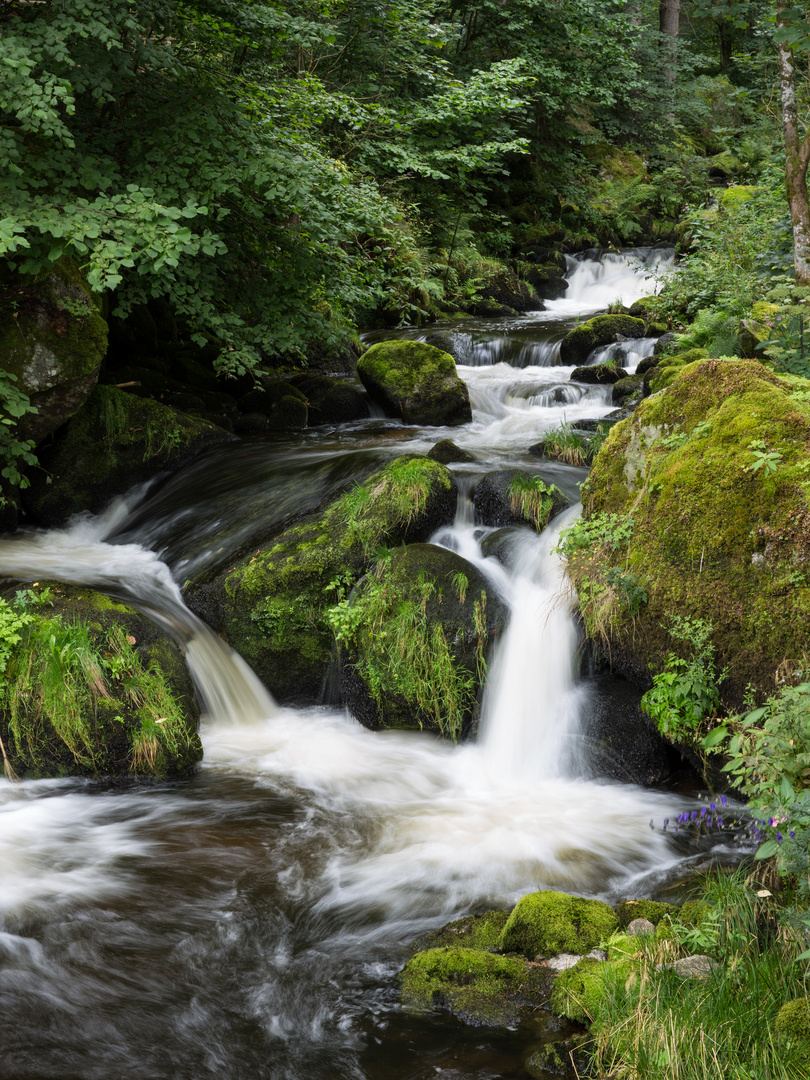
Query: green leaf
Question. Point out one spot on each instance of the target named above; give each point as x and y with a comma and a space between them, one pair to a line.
766, 850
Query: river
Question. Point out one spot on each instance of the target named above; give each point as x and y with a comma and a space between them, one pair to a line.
250, 921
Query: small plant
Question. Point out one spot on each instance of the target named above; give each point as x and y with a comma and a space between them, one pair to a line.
566, 445
766, 460
15, 453
532, 499
686, 692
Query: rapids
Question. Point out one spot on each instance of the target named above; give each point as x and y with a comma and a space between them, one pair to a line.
250, 921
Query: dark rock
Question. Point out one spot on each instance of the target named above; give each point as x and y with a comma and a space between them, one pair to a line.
446, 452
579, 343
289, 413
434, 605
514, 497
416, 382
626, 389
330, 401
486, 308
601, 374
648, 362
663, 344
507, 289
455, 344
116, 440
251, 424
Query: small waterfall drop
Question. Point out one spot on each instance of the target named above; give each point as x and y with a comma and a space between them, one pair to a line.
229, 691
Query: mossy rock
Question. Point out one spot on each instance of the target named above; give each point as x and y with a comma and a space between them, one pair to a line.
471, 932
53, 340
515, 497
506, 289
663, 374
547, 923
331, 401
95, 689
642, 909
735, 195
578, 991
446, 452
272, 605
714, 537
116, 440
479, 988
599, 374
792, 1024
289, 413
626, 390
566, 1059
417, 632
579, 343
416, 383
646, 308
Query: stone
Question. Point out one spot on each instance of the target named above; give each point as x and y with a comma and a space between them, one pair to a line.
515, 497
415, 382
579, 343
639, 927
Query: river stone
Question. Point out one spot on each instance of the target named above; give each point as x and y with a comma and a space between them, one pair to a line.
602, 374
690, 967
474, 986
547, 923
447, 452
515, 497
331, 401
432, 605
116, 440
415, 382
639, 927
579, 343
153, 734
272, 605
625, 390
53, 341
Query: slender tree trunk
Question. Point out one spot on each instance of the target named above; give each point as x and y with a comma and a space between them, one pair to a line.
669, 15
797, 156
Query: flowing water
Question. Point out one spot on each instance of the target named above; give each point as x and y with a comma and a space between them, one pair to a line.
249, 922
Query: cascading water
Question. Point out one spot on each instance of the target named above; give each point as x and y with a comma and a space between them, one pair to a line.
250, 921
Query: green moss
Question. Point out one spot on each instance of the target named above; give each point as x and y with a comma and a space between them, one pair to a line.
733, 196
479, 987
602, 330
578, 990
547, 923
671, 366
793, 1023
471, 932
535, 501
642, 909
79, 697
715, 537
275, 601
416, 382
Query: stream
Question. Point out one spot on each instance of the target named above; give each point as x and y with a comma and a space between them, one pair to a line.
250, 921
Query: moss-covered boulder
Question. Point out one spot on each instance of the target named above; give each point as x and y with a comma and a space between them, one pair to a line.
415, 382
52, 339
272, 605
93, 688
627, 392
446, 451
506, 289
514, 497
713, 473
470, 932
331, 401
577, 992
792, 1025
662, 374
415, 636
580, 342
116, 440
599, 374
479, 988
548, 922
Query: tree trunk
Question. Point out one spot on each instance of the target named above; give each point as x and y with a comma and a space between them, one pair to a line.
797, 156
669, 14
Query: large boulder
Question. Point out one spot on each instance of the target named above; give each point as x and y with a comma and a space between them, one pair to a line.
712, 473
415, 634
52, 339
331, 401
415, 382
514, 497
116, 440
93, 688
580, 342
546, 923
272, 606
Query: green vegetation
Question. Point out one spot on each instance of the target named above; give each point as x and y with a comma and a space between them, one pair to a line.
532, 499
547, 923
648, 1019
76, 697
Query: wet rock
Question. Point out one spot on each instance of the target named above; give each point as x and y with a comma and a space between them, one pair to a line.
514, 497
580, 342
420, 625
600, 374
271, 606
415, 382
447, 452
331, 401
627, 390
116, 440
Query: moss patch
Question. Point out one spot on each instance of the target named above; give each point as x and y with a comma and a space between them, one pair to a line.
590, 335
471, 932
92, 688
478, 987
547, 923
642, 909
272, 605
